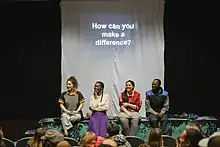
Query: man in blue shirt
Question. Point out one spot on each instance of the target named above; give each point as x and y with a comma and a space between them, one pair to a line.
157, 106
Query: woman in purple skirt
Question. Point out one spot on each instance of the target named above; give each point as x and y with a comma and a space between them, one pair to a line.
99, 105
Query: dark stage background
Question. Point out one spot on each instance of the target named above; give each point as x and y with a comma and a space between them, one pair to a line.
30, 61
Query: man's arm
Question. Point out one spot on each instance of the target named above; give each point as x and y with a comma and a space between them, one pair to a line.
165, 106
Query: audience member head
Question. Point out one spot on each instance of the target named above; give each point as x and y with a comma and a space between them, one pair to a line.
212, 141
110, 142
129, 88
143, 145
64, 144
52, 138
190, 137
88, 140
192, 127
36, 141
1, 133
155, 138
113, 129
104, 145
71, 84
156, 85
2, 144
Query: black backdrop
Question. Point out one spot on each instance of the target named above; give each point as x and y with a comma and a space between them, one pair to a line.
30, 61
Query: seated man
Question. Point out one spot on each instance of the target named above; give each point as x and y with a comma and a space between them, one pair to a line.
157, 106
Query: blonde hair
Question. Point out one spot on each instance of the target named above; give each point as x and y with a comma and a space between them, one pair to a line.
193, 127
88, 138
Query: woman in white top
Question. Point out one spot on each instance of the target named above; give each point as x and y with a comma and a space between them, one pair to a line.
99, 105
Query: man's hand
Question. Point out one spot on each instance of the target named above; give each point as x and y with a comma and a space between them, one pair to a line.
160, 115
157, 114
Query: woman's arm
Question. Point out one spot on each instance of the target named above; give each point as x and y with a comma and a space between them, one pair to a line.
132, 106
62, 107
80, 107
61, 101
104, 105
81, 101
121, 104
92, 104
137, 105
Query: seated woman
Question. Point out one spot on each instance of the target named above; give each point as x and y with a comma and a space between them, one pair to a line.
99, 105
71, 102
130, 103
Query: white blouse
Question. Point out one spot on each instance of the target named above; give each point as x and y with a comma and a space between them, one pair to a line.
97, 104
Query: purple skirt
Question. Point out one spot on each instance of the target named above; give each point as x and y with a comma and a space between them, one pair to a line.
98, 124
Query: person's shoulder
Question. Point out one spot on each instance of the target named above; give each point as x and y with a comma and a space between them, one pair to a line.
136, 93
164, 92
149, 92
64, 92
78, 92
105, 94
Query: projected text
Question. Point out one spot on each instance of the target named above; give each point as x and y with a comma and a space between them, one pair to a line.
112, 34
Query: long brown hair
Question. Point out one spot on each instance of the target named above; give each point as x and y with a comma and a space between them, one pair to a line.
155, 138
36, 139
125, 95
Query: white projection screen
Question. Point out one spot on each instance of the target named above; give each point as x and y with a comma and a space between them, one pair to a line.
112, 41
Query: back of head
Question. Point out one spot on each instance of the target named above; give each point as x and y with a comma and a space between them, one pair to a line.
110, 142
143, 145
2, 144
105, 145
113, 129
193, 136
64, 144
88, 139
214, 142
36, 140
155, 138
1, 133
52, 138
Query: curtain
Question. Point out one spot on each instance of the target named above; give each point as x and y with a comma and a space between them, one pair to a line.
112, 41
